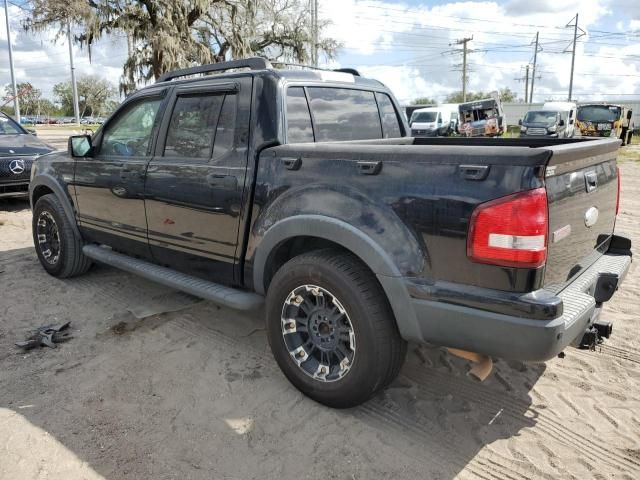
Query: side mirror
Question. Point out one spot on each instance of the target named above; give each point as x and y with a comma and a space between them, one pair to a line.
561, 123
439, 119
571, 122
520, 122
32, 131
629, 114
80, 146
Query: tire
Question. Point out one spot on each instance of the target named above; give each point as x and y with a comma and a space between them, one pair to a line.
343, 286
58, 247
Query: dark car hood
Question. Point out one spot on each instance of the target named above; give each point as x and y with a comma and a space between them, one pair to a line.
22, 144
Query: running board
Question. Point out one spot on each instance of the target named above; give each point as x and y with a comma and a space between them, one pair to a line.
229, 297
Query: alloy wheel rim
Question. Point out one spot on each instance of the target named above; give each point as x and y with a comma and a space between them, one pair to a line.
48, 237
318, 333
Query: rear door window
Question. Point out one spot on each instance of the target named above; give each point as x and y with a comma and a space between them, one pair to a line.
299, 128
389, 117
344, 114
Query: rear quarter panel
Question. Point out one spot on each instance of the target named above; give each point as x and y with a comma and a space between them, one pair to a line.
416, 209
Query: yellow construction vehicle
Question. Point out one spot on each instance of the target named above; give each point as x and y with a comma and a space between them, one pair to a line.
605, 120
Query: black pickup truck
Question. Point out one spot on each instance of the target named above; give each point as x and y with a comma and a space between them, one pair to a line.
301, 189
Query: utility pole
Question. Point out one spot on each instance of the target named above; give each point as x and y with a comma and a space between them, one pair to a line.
573, 54
463, 42
533, 73
525, 79
526, 85
129, 45
314, 32
74, 86
16, 102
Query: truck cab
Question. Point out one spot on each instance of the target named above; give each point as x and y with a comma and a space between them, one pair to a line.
482, 118
431, 122
605, 120
550, 123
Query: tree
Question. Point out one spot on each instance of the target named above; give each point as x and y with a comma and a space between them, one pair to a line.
424, 101
507, 95
94, 95
456, 97
170, 34
27, 95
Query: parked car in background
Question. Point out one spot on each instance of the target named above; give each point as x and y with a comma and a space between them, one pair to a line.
541, 123
18, 150
482, 118
432, 122
605, 120
303, 190
570, 109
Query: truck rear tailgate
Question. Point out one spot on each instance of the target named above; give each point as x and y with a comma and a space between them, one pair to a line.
582, 192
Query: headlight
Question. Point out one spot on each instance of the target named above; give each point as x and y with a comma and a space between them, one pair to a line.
523, 129
552, 129
613, 133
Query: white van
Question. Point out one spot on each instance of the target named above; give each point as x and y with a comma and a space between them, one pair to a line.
571, 110
431, 122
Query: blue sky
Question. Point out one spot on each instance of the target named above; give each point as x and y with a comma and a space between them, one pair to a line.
406, 46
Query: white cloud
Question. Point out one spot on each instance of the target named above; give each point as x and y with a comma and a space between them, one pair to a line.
43, 60
409, 46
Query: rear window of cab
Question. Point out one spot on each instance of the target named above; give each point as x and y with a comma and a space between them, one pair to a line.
326, 114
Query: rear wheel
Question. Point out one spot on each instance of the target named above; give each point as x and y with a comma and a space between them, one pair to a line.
331, 328
58, 247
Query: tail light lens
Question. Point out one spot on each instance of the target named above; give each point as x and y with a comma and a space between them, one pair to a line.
618, 198
511, 231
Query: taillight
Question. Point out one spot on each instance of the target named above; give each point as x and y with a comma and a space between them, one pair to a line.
510, 231
618, 198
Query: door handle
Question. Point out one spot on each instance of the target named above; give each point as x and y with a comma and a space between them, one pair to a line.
369, 168
292, 163
229, 182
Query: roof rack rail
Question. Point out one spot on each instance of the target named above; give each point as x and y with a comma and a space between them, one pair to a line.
252, 63
352, 71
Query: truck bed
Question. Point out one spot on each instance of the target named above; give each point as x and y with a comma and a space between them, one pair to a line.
429, 187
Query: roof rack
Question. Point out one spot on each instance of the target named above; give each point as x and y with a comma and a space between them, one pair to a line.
352, 71
252, 63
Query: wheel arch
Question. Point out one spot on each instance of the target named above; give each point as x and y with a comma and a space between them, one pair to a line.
303, 233
43, 185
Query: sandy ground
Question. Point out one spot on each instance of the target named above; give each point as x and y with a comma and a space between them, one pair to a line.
158, 385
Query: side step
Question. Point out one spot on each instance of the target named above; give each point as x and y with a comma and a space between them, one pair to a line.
229, 297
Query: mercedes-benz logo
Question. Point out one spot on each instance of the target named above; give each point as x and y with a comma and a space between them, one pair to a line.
16, 166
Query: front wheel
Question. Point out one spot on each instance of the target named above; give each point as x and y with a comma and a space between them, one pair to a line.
331, 329
58, 246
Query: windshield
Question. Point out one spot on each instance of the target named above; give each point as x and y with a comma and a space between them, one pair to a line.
598, 113
9, 127
547, 118
424, 117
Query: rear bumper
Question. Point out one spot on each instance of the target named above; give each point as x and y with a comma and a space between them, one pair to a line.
537, 327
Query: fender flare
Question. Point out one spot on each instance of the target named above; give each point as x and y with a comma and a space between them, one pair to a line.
51, 183
352, 239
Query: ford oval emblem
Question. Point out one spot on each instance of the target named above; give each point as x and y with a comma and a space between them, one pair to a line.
591, 217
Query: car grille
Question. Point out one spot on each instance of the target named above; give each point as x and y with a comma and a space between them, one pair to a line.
7, 174
536, 131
